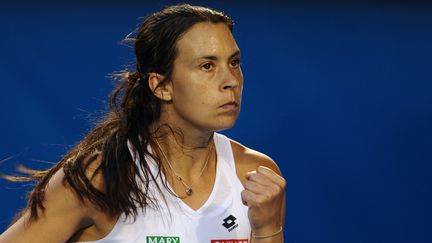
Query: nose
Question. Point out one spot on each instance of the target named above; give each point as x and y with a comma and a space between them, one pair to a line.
231, 79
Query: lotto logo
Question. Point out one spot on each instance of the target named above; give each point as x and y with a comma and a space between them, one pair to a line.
229, 223
230, 241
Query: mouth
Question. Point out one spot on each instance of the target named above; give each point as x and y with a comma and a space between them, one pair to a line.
231, 108
231, 105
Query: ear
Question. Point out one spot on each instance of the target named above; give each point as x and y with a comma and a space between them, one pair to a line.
162, 91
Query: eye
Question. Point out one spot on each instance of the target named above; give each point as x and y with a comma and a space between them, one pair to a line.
235, 63
207, 67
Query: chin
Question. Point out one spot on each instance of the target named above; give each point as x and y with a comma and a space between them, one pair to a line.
224, 126
218, 123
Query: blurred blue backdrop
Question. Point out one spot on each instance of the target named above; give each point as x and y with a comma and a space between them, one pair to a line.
338, 94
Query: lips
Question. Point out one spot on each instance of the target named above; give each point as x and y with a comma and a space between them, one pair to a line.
231, 104
230, 108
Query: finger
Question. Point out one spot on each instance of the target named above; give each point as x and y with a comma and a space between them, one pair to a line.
251, 199
247, 196
259, 178
264, 191
255, 187
271, 175
248, 174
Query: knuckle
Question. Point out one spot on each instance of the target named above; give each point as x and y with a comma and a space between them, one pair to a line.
260, 200
283, 183
276, 189
252, 176
248, 185
269, 195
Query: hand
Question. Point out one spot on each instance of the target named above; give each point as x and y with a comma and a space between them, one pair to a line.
263, 194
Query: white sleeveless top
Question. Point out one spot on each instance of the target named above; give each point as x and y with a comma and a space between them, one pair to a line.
222, 219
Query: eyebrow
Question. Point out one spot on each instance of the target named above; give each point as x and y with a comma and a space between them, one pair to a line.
214, 58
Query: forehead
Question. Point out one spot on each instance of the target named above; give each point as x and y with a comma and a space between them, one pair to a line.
206, 39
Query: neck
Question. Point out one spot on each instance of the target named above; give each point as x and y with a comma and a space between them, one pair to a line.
185, 149
182, 139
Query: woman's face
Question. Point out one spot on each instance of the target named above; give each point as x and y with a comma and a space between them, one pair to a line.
207, 80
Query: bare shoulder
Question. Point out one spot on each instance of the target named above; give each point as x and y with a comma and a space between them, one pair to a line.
248, 159
63, 215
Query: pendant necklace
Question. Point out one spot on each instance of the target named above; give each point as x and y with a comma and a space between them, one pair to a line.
188, 189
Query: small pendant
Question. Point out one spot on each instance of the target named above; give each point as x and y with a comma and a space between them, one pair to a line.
189, 191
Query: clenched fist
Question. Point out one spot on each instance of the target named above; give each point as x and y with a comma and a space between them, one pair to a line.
264, 194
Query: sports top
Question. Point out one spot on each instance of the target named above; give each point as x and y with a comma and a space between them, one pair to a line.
221, 219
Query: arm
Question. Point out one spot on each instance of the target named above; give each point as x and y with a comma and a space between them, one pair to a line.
64, 214
265, 195
264, 192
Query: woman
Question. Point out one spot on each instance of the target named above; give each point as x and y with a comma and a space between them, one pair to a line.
155, 170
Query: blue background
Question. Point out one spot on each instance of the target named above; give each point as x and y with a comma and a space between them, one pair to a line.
338, 94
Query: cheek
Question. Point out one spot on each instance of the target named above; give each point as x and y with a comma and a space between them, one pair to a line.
194, 102
192, 95
195, 90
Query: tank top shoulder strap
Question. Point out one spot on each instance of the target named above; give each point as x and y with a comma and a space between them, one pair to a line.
224, 149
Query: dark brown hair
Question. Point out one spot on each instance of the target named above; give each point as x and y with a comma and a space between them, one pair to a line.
134, 108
